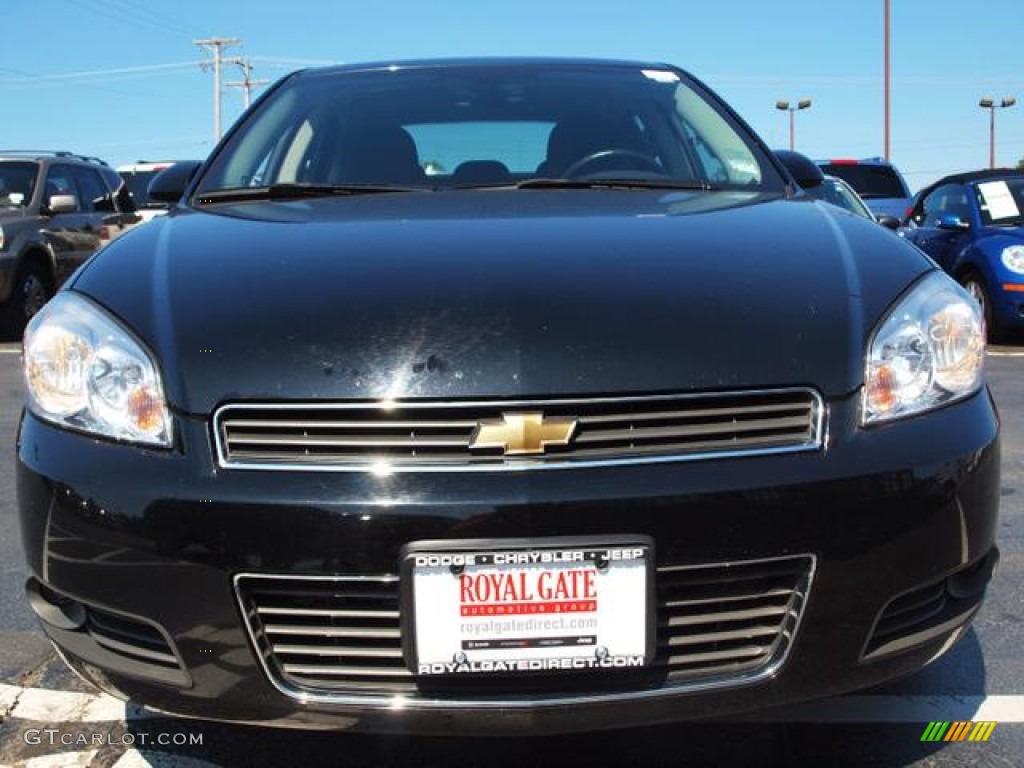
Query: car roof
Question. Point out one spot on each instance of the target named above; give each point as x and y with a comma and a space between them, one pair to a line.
979, 175
492, 62
855, 161
47, 154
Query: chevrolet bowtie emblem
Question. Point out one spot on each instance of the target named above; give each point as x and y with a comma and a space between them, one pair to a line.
523, 433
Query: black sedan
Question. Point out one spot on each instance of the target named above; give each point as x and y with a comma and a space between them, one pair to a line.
509, 395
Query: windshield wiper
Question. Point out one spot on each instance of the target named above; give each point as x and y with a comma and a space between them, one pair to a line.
297, 191
698, 186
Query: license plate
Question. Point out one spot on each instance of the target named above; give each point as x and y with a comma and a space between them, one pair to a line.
539, 606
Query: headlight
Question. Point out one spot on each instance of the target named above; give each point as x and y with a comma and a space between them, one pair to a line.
85, 371
929, 351
1013, 258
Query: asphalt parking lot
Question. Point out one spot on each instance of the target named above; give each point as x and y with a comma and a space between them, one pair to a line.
49, 718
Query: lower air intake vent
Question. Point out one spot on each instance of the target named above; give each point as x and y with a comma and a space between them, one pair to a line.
129, 638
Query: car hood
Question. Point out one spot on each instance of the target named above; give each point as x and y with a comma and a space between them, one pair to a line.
502, 294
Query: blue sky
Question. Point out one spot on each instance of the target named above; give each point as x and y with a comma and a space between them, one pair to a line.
121, 78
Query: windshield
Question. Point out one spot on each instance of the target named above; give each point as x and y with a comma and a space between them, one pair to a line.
17, 182
464, 126
870, 181
837, 193
1001, 202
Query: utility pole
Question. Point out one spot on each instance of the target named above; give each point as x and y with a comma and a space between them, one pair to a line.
887, 76
246, 83
217, 46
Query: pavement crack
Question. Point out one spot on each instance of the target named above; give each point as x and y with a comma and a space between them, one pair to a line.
14, 705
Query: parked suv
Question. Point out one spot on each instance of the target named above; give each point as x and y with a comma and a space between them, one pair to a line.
877, 182
56, 209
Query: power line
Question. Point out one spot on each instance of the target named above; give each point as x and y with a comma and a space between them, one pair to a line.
59, 80
145, 12
120, 14
103, 73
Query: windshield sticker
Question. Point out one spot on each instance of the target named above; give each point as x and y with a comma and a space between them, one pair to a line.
661, 75
998, 199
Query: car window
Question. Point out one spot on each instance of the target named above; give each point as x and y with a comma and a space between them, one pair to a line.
838, 194
93, 193
870, 181
137, 183
947, 200
519, 145
1001, 202
17, 183
432, 129
121, 192
60, 181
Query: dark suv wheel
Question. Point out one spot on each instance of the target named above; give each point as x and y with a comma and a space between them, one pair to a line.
32, 289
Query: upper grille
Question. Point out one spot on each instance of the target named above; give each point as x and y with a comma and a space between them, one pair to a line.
334, 635
396, 436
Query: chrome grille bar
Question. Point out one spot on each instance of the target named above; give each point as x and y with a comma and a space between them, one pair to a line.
437, 436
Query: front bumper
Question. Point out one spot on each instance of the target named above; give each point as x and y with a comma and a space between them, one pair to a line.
152, 542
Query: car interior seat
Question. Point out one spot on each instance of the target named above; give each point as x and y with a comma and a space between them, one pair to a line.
581, 136
378, 153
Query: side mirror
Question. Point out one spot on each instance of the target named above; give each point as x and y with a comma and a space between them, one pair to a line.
803, 170
169, 185
953, 222
62, 204
889, 222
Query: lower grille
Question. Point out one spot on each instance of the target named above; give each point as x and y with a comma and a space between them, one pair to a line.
340, 635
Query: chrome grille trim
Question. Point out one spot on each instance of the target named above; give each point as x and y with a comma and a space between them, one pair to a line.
385, 436
728, 653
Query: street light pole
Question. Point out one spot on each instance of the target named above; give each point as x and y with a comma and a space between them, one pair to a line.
992, 106
785, 107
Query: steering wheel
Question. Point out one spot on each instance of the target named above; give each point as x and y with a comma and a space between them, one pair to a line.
646, 162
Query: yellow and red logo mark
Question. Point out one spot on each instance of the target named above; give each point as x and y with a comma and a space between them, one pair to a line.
958, 731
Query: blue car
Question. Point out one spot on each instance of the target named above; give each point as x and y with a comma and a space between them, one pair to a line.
972, 225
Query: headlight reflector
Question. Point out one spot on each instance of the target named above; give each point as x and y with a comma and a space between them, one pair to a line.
85, 371
1013, 258
929, 351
